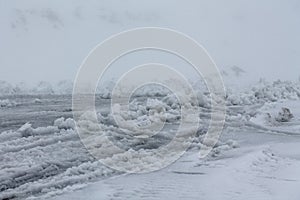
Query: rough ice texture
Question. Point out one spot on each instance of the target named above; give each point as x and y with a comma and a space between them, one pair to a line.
284, 115
51, 160
7, 103
266, 92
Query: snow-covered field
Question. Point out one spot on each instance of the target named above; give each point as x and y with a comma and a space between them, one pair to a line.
257, 157
258, 172
49, 149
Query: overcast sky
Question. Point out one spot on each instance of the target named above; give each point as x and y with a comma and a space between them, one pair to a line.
48, 40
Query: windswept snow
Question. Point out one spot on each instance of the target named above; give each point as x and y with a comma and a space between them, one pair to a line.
255, 172
43, 156
271, 114
45, 160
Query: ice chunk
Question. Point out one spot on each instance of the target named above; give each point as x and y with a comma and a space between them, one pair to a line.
63, 123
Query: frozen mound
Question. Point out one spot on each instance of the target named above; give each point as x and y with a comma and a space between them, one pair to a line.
277, 90
284, 115
266, 92
37, 101
63, 123
6, 103
45, 160
131, 139
143, 113
220, 148
281, 117
259, 94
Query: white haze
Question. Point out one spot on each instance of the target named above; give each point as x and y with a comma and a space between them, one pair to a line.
48, 40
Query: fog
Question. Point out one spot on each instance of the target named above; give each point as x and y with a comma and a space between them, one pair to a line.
48, 40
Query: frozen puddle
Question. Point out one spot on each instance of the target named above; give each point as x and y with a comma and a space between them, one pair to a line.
250, 173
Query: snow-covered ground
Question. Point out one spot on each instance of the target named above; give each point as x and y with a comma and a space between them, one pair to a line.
44, 42
264, 165
258, 172
271, 116
257, 157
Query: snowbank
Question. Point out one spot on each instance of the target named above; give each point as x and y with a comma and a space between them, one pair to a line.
266, 92
281, 117
6, 103
63, 123
260, 93
45, 160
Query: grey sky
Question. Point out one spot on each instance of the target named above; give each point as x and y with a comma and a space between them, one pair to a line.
48, 40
